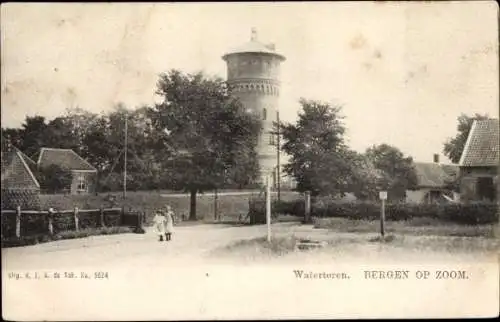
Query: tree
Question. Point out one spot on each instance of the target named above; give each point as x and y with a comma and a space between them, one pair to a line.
54, 178
33, 133
246, 172
397, 171
319, 157
201, 129
79, 122
366, 180
104, 142
453, 147
12, 137
59, 134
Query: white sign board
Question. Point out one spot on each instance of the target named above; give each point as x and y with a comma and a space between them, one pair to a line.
382, 195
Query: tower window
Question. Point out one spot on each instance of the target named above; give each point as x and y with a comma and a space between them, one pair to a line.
264, 114
271, 139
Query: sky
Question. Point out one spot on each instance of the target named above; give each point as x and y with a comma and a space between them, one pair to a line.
402, 72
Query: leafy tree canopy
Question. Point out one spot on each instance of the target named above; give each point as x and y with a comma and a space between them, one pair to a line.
203, 132
453, 147
396, 171
319, 158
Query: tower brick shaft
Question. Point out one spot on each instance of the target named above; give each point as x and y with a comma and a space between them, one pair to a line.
253, 70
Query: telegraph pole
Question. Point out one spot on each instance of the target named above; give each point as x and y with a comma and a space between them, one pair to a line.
125, 158
268, 208
278, 147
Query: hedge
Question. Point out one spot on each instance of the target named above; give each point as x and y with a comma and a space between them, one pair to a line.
462, 213
257, 209
37, 224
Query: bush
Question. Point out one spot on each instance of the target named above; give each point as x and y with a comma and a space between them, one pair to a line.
37, 224
33, 224
63, 222
257, 209
470, 214
55, 178
89, 219
350, 210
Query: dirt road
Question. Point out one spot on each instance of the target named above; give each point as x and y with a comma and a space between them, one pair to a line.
197, 244
183, 279
188, 243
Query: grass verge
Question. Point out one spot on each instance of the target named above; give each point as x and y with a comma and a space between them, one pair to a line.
257, 247
416, 226
37, 239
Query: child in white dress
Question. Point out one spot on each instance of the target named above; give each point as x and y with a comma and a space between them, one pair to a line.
169, 223
159, 222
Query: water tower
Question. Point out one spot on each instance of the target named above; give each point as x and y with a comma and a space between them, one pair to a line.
253, 70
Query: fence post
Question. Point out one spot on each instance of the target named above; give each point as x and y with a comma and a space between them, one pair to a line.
102, 217
50, 222
18, 221
77, 228
139, 220
307, 203
215, 205
120, 221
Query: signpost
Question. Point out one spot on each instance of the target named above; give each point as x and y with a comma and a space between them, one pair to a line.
383, 197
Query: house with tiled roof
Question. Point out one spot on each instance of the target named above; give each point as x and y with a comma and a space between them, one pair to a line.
434, 181
479, 162
20, 186
83, 173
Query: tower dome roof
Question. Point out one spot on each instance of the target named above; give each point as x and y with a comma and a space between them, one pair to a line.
254, 46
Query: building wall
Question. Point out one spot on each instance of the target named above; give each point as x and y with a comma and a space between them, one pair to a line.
469, 179
255, 80
421, 195
90, 178
416, 196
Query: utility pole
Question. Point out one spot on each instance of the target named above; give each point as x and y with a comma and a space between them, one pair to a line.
278, 147
268, 208
125, 158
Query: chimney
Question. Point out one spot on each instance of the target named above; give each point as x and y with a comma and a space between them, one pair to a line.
436, 158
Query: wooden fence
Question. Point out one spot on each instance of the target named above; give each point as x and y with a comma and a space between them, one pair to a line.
43, 222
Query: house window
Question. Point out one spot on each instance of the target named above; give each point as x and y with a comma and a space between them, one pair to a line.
485, 188
81, 183
264, 114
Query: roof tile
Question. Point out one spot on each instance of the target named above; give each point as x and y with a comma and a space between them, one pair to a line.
63, 157
434, 174
482, 148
